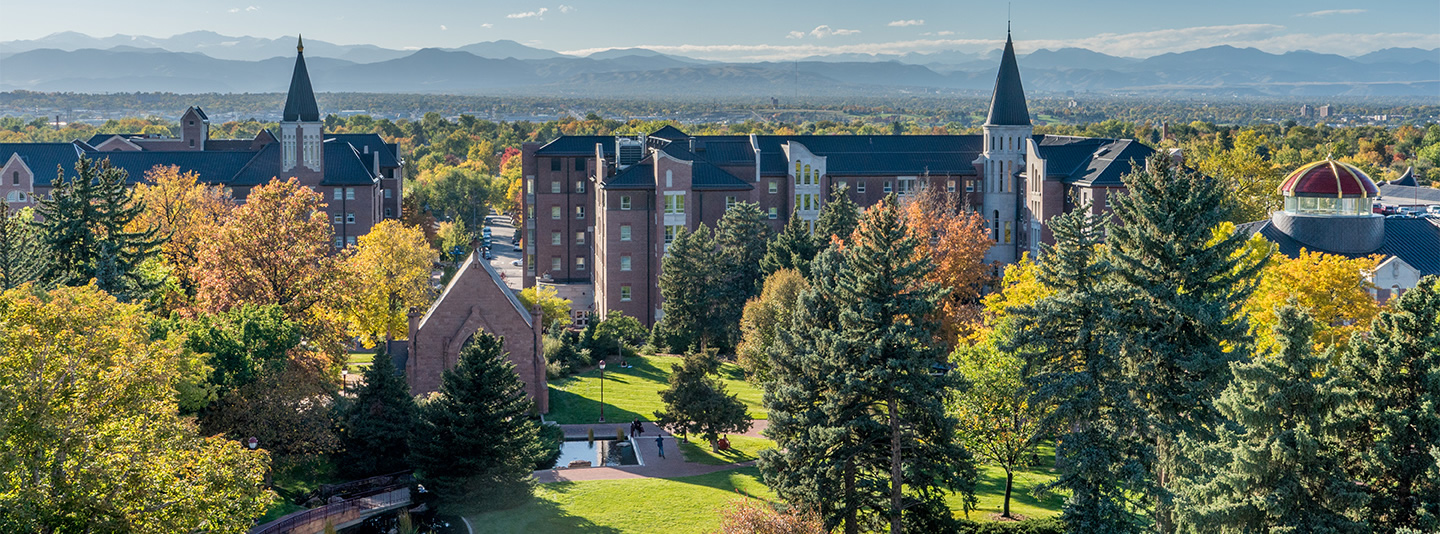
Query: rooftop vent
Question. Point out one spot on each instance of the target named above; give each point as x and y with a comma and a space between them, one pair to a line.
629, 150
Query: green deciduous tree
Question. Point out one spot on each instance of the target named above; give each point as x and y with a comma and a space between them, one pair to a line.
1395, 452
696, 402
763, 316
238, 345
555, 309
84, 226
377, 424
1277, 463
476, 444
20, 257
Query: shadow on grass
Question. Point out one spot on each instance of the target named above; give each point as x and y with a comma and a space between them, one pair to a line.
538, 516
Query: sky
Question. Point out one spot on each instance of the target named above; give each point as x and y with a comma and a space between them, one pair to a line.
752, 30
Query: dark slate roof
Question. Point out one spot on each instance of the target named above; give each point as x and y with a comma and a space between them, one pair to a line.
344, 166
578, 145
1090, 161
202, 114
878, 155
703, 174
1405, 179
43, 158
213, 167
1392, 193
670, 132
376, 144
263, 167
1416, 241
1007, 103
300, 100
726, 151
638, 176
224, 145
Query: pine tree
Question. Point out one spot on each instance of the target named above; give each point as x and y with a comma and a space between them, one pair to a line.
740, 238
1067, 343
1395, 451
84, 224
837, 219
856, 407
697, 403
1276, 466
690, 279
792, 248
19, 248
476, 444
1183, 294
378, 423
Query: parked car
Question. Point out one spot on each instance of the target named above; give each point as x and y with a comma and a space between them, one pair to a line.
515, 263
1433, 209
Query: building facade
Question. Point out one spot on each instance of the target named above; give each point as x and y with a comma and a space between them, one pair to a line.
359, 175
600, 211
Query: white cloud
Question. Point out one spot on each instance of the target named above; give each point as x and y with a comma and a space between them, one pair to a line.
443, 28
234, 10
566, 9
824, 30
252, 8
1325, 12
528, 14
237, 10
795, 35
911, 22
940, 33
487, 25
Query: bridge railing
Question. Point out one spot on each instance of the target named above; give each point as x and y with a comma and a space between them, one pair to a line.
336, 514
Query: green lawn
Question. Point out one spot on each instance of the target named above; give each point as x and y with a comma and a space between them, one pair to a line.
634, 393
359, 360
742, 449
658, 506
990, 489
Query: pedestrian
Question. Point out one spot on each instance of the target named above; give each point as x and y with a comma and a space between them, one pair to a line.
635, 428
660, 444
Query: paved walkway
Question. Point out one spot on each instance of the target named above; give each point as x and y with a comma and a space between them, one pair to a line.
673, 465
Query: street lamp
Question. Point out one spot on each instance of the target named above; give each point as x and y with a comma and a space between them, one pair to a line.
253, 442
602, 391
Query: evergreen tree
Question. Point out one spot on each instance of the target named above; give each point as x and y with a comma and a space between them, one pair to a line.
84, 224
1067, 344
19, 248
696, 402
792, 248
1183, 293
871, 364
1395, 452
377, 425
740, 237
837, 220
690, 280
476, 444
1276, 465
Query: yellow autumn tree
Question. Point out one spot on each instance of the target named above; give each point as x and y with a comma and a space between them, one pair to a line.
1333, 289
188, 213
1020, 286
391, 267
956, 240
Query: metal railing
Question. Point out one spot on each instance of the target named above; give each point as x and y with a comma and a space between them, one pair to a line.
337, 514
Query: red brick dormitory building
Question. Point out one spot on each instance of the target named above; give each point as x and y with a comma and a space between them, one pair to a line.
600, 210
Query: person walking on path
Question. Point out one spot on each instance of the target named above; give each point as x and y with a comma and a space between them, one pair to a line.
660, 444
635, 428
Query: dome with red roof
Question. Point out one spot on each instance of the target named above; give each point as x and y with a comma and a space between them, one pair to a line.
1329, 188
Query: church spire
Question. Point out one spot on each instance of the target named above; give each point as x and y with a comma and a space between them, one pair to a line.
1007, 104
300, 102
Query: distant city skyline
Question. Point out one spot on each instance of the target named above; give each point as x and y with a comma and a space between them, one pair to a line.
749, 30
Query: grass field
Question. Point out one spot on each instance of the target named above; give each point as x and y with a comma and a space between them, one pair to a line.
635, 392
990, 489
359, 360
643, 506
742, 449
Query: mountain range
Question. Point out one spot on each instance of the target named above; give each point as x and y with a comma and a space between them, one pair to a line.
203, 62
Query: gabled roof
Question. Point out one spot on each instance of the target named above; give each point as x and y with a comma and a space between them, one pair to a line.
578, 145
376, 144
878, 155
300, 100
43, 159
262, 167
1416, 241
1090, 161
1405, 179
670, 133
1007, 103
213, 167
344, 166
703, 174
638, 176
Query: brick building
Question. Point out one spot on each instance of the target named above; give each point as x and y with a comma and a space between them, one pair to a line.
601, 210
360, 175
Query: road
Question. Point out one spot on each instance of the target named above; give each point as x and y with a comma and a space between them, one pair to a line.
501, 231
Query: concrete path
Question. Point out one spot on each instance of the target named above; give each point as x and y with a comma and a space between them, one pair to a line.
673, 465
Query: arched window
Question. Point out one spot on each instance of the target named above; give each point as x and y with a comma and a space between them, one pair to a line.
807, 175
15, 196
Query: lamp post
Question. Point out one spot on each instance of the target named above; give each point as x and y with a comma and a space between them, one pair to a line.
602, 391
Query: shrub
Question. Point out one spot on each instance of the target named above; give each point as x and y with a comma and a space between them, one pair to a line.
749, 517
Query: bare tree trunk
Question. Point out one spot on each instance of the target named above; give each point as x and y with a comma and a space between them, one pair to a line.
852, 523
1009, 483
897, 486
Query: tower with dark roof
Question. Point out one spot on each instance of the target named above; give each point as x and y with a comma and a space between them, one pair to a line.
1007, 132
301, 131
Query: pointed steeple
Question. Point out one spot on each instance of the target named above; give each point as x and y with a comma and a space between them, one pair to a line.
1007, 104
300, 102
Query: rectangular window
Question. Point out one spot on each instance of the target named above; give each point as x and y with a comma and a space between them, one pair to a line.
339, 242
625, 293
579, 212
969, 186
840, 185
555, 212
388, 193
625, 202
555, 164
579, 263
350, 241
1007, 231
530, 263
389, 213
888, 187
580, 238
774, 213
555, 263
950, 186
774, 187
339, 219
349, 193
729, 202
529, 187
674, 203
338, 192
671, 232
907, 186
860, 187
624, 232
624, 263
555, 186
579, 164
579, 186
555, 238
350, 218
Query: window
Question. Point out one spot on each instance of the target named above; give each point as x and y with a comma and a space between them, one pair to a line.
624, 232
350, 218
579, 186
950, 186
579, 212
192, 143
625, 293
338, 192
339, 219
580, 237
1007, 231
808, 181
969, 186
529, 187
388, 192
555, 212
840, 185
625, 263
339, 242
388, 213
15, 178
674, 203
774, 187
625, 202
907, 186
555, 263
555, 238
555, 164
580, 164
859, 187
888, 187
774, 213
579, 263
729, 202
671, 232
669, 178
350, 241
995, 230
530, 263
797, 172
555, 186
349, 193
